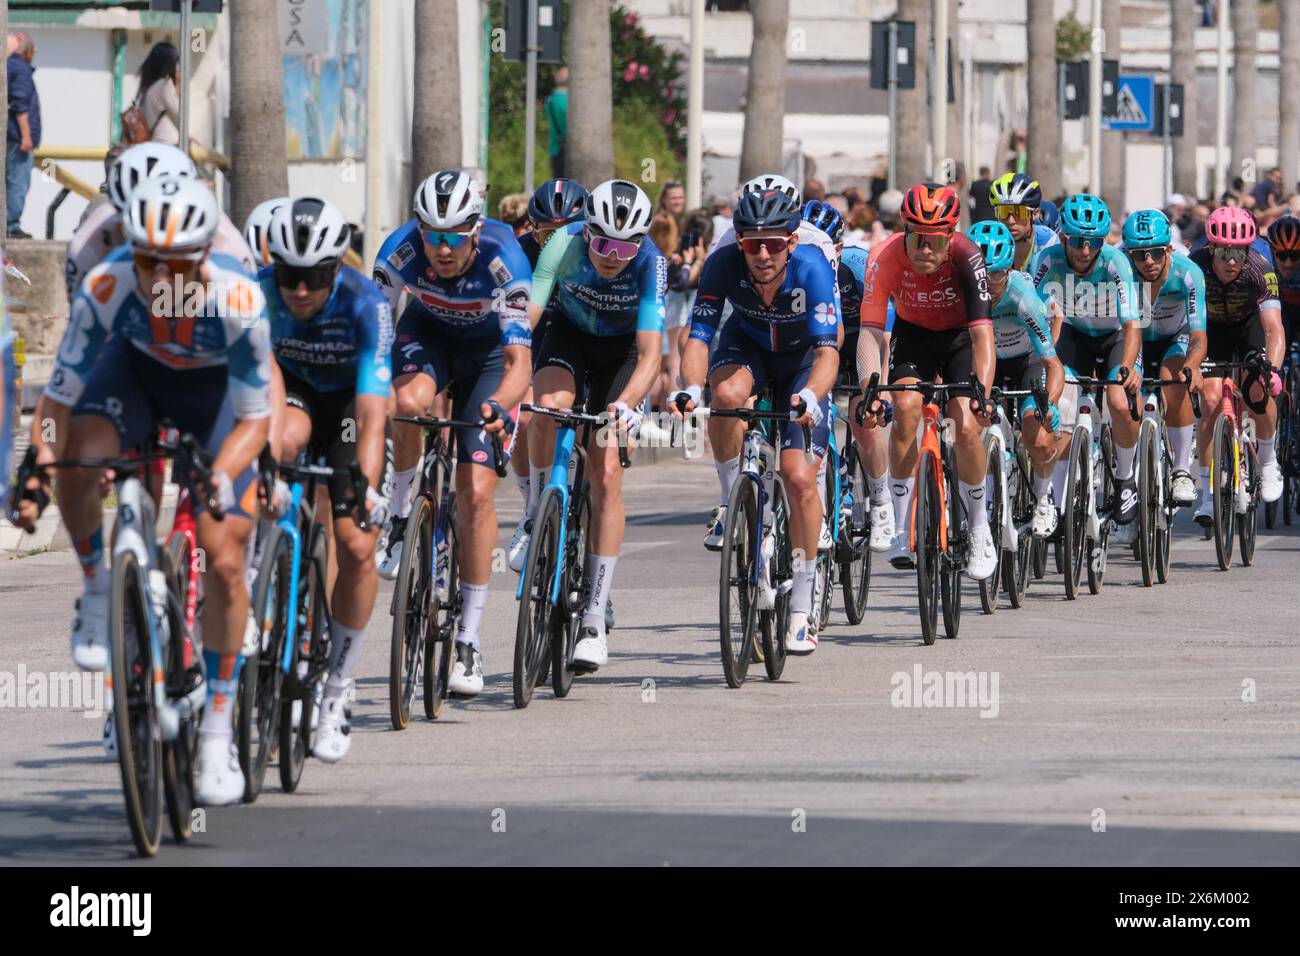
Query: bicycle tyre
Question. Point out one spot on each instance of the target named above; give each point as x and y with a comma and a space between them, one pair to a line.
993, 484
1148, 506
262, 679
1074, 521
1248, 524
565, 639
855, 533
738, 577
181, 754
776, 622
532, 629
1223, 475
926, 509
311, 643
949, 563
440, 634
411, 606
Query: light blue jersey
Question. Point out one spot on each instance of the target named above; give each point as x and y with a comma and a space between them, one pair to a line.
1179, 306
1098, 303
1020, 321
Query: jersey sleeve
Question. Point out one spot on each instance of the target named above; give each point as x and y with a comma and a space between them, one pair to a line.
387, 274
878, 278
374, 345
1194, 280
514, 278
248, 357
1120, 273
82, 340
710, 296
1269, 296
547, 272
821, 298
1033, 313
973, 277
654, 284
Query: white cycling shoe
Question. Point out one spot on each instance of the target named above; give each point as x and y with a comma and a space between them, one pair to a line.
334, 733
1204, 514
466, 679
90, 632
882, 527
900, 552
1183, 489
717, 525
252, 637
1045, 516
517, 550
983, 559
218, 780
391, 554
800, 638
824, 541
592, 652
1270, 482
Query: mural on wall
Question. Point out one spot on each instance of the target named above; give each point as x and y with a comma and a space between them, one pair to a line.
324, 49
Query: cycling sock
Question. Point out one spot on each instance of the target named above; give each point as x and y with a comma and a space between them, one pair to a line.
1205, 481
977, 515
90, 555
525, 485
600, 580
473, 597
727, 472
402, 483
345, 651
223, 683
902, 489
1267, 448
1124, 462
1060, 477
537, 475
821, 481
1040, 485
1180, 445
878, 488
802, 595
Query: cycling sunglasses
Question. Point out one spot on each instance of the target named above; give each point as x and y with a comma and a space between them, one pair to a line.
1286, 255
1020, 213
926, 240
454, 240
754, 245
624, 250
314, 278
1155, 254
176, 262
1229, 253
1090, 243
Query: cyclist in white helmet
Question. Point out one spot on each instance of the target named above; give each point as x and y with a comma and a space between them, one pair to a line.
257, 227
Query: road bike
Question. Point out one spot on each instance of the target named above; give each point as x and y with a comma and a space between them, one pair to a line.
846, 486
1011, 497
1154, 471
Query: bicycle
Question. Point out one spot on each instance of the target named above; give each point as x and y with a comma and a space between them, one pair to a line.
552, 591
757, 567
1154, 470
1091, 488
426, 593
1234, 463
155, 670
1011, 494
1288, 435
939, 534
846, 486
280, 686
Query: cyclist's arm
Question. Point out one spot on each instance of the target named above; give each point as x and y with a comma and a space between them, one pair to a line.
984, 353
372, 416
705, 315
82, 341
1128, 311
649, 347
248, 368
1270, 317
545, 274
516, 377
1033, 312
825, 370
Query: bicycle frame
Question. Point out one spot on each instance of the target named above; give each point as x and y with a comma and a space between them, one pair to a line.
185, 527
288, 524
930, 445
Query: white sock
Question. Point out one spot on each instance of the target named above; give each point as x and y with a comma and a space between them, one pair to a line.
1205, 479
525, 486
976, 499
1267, 448
402, 483
727, 472
472, 599
345, 651
1180, 445
1060, 478
878, 488
821, 481
537, 475
600, 581
1124, 462
1040, 485
802, 595
902, 490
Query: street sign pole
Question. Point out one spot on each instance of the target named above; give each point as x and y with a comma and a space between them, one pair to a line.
530, 98
1165, 145
1094, 103
186, 6
893, 103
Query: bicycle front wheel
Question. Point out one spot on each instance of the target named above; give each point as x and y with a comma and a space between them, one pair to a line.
181, 754
1074, 522
926, 506
443, 612
1224, 478
565, 639
738, 581
262, 679
950, 579
536, 611
412, 602
1148, 505
310, 655
1249, 523
855, 533
139, 739
994, 484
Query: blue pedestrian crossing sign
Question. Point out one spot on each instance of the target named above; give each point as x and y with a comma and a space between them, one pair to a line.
1135, 105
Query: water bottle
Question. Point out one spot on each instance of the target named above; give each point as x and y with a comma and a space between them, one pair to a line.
158, 599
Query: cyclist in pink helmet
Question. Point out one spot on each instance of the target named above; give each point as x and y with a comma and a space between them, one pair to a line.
1230, 226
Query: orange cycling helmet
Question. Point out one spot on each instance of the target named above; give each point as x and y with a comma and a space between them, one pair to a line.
931, 208
1284, 234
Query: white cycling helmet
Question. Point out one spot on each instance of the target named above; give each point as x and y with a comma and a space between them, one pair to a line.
449, 198
256, 226
772, 181
172, 214
619, 209
145, 161
308, 232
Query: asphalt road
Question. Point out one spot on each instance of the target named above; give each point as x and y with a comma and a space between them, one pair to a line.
1166, 715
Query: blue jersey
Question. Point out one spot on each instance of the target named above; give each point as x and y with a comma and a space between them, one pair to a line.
801, 316
1098, 303
346, 346
489, 300
229, 327
1020, 321
632, 301
1179, 305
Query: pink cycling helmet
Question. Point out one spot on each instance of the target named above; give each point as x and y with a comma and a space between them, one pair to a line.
1231, 226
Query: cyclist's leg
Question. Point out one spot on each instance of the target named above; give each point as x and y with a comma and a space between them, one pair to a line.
972, 462
912, 358
1221, 346
420, 361
560, 368
736, 372
1123, 428
1253, 341
1179, 420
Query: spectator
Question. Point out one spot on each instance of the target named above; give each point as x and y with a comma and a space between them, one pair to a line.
557, 118
887, 221
24, 130
1018, 155
672, 201
720, 208
1176, 210
859, 225
813, 189
981, 206
839, 202
160, 94
855, 198
513, 211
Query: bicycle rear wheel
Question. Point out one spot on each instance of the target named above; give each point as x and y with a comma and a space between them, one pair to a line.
1148, 505
855, 532
993, 484
310, 653
139, 739
181, 754
443, 612
1224, 478
536, 612
412, 607
926, 505
262, 679
1249, 522
951, 571
569, 614
738, 581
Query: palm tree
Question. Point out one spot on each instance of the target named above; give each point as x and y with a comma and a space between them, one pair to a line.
435, 119
1183, 71
258, 169
1245, 38
913, 111
1289, 131
761, 146
1112, 144
1044, 121
590, 146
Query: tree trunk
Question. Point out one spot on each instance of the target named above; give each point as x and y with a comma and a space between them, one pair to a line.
761, 148
1044, 121
1289, 130
913, 105
1186, 15
1245, 39
590, 146
435, 116
258, 169
1112, 144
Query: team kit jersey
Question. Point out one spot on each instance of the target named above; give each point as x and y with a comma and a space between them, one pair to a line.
1289, 297
1233, 309
1043, 238
1020, 322
101, 231
955, 296
1097, 303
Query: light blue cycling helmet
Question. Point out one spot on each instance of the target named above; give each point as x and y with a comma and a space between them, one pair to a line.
996, 242
1085, 215
1146, 229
